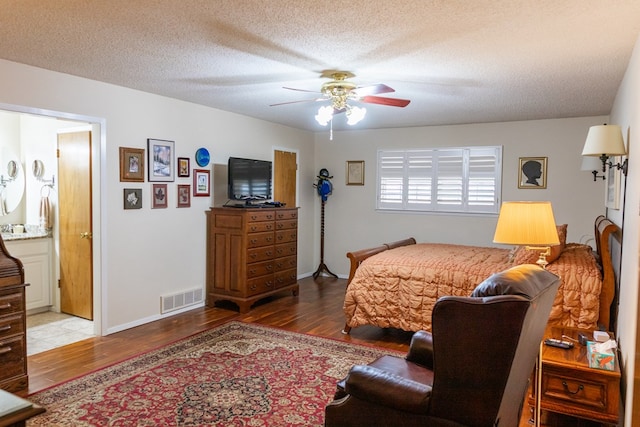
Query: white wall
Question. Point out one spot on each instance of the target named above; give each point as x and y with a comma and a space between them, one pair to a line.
626, 113
147, 253
351, 221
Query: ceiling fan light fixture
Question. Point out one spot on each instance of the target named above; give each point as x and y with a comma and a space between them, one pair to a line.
355, 115
324, 116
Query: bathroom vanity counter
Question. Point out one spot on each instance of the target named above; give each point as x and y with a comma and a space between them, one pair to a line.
8, 237
34, 250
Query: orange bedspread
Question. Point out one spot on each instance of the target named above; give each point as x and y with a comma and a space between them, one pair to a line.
398, 288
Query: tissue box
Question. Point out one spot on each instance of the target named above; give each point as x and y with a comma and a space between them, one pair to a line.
606, 360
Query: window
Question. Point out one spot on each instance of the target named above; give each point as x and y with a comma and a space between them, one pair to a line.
464, 180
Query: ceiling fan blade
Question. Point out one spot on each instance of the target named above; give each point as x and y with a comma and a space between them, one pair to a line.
392, 102
301, 90
296, 102
372, 89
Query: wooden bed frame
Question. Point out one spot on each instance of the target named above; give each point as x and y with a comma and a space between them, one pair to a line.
603, 229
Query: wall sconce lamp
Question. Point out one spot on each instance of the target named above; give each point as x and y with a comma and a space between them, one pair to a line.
529, 224
604, 141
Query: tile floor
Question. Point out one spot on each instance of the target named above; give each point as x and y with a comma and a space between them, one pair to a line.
50, 330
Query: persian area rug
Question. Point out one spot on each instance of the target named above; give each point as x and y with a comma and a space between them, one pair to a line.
237, 374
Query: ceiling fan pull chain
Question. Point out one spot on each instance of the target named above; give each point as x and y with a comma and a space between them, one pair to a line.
331, 131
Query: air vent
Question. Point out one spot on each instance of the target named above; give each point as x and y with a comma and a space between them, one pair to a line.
180, 300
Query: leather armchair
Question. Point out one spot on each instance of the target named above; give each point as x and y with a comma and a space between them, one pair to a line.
472, 370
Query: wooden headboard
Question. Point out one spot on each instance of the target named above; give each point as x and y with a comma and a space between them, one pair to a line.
604, 229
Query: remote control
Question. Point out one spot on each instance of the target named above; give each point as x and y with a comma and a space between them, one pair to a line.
557, 343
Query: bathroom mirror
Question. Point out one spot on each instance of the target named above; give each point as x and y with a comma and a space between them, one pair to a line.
11, 181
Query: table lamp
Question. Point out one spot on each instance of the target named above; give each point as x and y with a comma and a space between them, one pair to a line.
529, 224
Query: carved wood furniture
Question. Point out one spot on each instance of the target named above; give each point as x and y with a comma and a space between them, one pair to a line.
251, 254
13, 327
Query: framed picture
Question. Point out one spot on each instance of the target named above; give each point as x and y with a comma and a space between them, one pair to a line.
613, 185
131, 164
532, 172
159, 199
201, 178
183, 167
132, 198
355, 172
184, 195
160, 158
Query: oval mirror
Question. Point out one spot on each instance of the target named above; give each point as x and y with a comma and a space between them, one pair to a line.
38, 169
11, 181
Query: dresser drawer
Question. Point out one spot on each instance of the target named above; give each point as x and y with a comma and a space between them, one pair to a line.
11, 325
286, 249
289, 224
260, 216
257, 269
12, 354
255, 240
286, 263
287, 214
11, 303
286, 236
259, 285
260, 254
284, 278
256, 227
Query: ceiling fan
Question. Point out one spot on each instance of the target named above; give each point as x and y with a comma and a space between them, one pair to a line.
339, 91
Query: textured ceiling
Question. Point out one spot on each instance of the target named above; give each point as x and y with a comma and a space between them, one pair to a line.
457, 61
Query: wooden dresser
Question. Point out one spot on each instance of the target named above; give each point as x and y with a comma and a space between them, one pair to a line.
252, 253
13, 323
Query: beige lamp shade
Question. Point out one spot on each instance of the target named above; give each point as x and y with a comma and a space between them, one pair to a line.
526, 223
604, 139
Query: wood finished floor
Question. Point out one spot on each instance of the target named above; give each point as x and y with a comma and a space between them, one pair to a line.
317, 311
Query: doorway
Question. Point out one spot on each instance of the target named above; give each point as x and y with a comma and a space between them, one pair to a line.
285, 177
72, 122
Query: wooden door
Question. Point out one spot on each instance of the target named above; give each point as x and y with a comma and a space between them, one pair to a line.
285, 167
74, 208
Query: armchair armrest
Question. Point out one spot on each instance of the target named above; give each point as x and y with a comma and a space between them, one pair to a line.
383, 388
421, 349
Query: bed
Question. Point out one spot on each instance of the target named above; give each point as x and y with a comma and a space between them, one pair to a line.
395, 285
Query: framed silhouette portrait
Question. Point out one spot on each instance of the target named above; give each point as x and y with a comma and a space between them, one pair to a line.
532, 173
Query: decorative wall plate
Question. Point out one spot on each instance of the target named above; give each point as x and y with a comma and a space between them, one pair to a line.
202, 157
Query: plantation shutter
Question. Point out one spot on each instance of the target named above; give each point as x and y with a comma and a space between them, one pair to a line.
443, 180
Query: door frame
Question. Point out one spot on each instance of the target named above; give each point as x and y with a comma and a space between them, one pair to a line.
98, 156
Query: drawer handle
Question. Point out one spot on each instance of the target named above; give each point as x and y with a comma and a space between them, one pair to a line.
269, 253
269, 267
254, 287
4, 350
252, 271
566, 388
253, 256
254, 228
5, 306
280, 237
5, 328
269, 239
269, 227
269, 284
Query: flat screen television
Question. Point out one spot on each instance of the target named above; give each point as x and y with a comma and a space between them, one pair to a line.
249, 179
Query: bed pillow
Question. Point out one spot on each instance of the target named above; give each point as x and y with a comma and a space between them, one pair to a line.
526, 256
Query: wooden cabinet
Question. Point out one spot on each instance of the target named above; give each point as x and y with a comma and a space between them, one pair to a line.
252, 253
35, 255
13, 342
569, 386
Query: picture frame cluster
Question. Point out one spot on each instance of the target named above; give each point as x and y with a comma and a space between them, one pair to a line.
161, 166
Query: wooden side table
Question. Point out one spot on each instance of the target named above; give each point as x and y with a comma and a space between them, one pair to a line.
15, 411
569, 386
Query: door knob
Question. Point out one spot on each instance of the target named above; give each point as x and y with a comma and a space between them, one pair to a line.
86, 235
